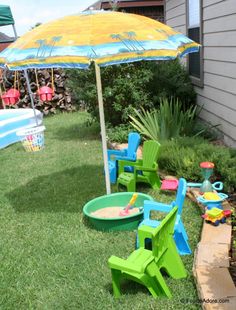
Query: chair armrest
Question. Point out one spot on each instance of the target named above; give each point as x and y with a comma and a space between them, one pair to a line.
144, 232
125, 158
115, 262
148, 169
120, 153
123, 163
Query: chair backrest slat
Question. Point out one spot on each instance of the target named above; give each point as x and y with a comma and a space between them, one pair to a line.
163, 233
150, 153
133, 144
181, 193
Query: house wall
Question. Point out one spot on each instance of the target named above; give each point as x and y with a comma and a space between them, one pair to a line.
151, 9
175, 14
218, 94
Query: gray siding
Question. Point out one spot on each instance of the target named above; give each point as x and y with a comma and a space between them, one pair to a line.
218, 96
176, 14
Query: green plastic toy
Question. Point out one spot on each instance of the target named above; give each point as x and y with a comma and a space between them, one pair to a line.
145, 170
144, 266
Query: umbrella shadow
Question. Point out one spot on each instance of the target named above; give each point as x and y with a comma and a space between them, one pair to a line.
66, 191
78, 132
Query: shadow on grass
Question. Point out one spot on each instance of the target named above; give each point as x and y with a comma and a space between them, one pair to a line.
66, 191
78, 132
128, 288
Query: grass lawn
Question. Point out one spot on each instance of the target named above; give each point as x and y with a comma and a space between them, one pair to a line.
50, 257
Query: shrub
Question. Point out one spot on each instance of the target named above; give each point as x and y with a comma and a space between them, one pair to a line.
128, 86
124, 86
170, 79
169, 121
182, 157
119, 133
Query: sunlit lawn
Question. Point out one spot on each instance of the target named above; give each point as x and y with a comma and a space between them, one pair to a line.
50, 257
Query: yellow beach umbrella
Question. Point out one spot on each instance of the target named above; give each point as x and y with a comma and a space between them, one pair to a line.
103, 37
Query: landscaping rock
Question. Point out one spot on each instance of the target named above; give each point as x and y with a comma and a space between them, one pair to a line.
216, 288
212, 255
220, 234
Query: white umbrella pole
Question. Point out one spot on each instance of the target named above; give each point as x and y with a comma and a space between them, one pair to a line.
31, 95
103, 129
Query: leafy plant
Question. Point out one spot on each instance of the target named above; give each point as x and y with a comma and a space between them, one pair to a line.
124, 87
146, 123
119, 133
135, 85
171, 79
169, 121
182, 157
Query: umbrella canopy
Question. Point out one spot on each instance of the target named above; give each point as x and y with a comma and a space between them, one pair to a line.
102, 37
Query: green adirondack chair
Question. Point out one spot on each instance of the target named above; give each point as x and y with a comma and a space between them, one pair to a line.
145, 170
144, 266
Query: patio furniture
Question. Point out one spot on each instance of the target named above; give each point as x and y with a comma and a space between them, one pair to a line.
145, 170
128, 154
180, 235
144, 266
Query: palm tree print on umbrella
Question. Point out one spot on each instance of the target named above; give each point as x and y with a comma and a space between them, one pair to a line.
46, 49
131, 35
129, 40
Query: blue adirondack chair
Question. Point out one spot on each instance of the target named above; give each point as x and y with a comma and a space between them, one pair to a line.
126, 154
180, 235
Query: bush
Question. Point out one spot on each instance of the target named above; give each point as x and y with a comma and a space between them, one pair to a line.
119, 133
128, 86
170, 79
124, 86
182, 157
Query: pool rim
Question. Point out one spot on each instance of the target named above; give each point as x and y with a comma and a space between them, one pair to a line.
85, 212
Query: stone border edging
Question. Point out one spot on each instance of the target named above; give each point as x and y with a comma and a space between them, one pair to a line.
211, 262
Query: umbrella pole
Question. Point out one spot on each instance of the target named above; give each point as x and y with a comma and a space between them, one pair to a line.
31, 95
103, 129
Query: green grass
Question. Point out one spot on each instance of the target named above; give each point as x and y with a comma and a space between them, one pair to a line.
50, 257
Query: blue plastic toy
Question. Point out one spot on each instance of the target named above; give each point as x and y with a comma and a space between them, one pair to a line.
213, 203
125, 154
180, 235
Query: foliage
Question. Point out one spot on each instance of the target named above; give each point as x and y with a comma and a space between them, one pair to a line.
134, 85
124, 86
146, 123
182, 157
170, 79
208, 132
114, 4
119, 133
169, 121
